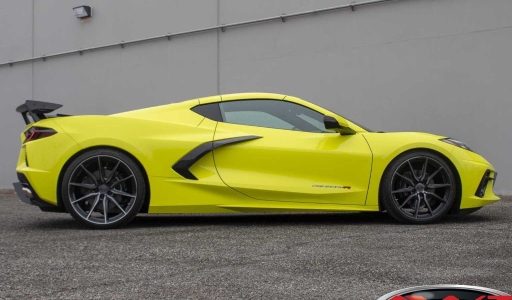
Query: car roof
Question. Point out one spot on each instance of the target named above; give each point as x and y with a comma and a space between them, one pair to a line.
241, 96
246, 96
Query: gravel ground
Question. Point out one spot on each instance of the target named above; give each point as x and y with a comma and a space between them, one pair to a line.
285, 256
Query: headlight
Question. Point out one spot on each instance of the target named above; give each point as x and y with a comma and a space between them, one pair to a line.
456, 143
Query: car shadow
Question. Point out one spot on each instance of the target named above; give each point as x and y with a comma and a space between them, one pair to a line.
271, 219
255, 220
289, 219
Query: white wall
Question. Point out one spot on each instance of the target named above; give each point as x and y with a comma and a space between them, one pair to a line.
440, 66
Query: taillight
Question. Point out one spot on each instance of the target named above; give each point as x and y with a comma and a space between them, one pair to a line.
35, 133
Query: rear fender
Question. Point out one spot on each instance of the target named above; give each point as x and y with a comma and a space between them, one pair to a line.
41, 160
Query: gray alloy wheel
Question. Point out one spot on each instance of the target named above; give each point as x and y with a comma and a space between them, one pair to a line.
103, 188
418, 188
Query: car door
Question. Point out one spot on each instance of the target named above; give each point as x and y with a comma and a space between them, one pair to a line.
288, 155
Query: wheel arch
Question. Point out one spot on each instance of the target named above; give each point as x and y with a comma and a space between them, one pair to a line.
147, 196
458, 194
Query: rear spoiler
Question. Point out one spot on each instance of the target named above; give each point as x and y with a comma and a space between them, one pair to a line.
37, 110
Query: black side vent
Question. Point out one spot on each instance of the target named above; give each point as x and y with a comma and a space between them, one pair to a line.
480, 192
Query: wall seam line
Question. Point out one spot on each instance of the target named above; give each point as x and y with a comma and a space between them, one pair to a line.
33, 41
218, 48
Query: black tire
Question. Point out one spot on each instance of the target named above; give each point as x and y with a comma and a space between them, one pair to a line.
418, 187
103, 178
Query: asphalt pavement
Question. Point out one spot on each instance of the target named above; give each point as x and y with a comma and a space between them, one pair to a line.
254, 256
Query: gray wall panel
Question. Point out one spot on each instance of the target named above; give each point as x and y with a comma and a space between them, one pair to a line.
15, 82
57, 29
105, 82
242, 10
462, 16
15, 30
110, 81
15, 87
390, 66
193, 67
440, 66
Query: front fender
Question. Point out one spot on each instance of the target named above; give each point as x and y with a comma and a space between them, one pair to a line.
386, 147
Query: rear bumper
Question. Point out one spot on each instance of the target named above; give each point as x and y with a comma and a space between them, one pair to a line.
22, 192
29, 196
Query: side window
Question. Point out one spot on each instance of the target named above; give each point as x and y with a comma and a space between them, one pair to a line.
256, 118
276, 114
210, 111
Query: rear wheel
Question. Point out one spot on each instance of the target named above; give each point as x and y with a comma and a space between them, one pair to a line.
103, 188
418, 188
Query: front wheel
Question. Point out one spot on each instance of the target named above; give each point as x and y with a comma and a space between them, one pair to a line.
103, 188
418, 187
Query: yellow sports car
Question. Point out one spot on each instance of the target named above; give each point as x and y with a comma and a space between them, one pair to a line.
252, 152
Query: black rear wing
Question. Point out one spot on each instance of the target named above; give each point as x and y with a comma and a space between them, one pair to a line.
37, 110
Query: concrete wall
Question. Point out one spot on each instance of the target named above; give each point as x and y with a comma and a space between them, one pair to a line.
440, 66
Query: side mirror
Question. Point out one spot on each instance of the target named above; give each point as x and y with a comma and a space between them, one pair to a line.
338, 124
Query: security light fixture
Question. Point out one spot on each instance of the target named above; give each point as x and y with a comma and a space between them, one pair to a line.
82, 12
